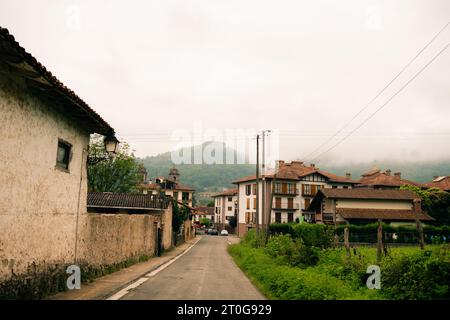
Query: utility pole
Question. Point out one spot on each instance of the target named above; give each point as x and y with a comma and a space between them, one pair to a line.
257, 185
263, 173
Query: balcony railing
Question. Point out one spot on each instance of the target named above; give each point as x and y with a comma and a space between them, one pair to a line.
286, 193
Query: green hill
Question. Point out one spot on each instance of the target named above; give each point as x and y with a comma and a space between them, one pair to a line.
202, 177
216, 177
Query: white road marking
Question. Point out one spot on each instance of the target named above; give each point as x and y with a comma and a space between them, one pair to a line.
143, 279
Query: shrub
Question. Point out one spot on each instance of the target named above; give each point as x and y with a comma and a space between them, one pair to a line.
253, 240
280, 228
295, 253
316, 235
418, 275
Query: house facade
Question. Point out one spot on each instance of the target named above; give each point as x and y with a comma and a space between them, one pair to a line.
45, 129
204, 212
170, 186
340, 206
225, 207
288, 191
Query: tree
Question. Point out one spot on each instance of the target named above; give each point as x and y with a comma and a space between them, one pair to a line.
233, 222
435, 202
205, 222
210, 203
117, 173
179, 216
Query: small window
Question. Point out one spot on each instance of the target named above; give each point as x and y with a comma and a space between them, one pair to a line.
230, 199
230, 208
63, 155
248, 189
278, 217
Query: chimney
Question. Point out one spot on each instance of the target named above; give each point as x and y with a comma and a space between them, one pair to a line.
348, 175
417, 207
280, 163
398, 174
435, 177
388, 172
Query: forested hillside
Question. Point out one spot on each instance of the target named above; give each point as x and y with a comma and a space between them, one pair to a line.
216, 177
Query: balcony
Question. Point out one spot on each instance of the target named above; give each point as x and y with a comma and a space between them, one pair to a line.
286, 193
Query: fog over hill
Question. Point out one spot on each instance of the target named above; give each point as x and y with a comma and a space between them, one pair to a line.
216, 177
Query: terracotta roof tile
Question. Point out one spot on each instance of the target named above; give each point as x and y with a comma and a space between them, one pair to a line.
379, 178
442, 183
228, 192
125, 201
296, 170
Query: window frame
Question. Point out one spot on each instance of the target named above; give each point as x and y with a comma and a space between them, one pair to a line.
65, 167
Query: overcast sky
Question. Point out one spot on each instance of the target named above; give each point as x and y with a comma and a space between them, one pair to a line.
302, 67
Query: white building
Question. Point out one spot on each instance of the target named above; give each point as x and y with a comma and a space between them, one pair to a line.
294, 185
225, 207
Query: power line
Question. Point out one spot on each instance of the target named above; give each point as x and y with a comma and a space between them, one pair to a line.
378, 94
384, 104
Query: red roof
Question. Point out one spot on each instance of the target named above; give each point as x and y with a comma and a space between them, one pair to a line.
296, 170
126, 200
228, 192
377, 177
442, 183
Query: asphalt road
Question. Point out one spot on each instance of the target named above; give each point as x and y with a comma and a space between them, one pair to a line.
206, 271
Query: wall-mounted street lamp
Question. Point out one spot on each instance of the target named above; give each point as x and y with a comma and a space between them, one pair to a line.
111, 147
111, 144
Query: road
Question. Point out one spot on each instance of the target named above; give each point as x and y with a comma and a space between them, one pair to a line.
206, 271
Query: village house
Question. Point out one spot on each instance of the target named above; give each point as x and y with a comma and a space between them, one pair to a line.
440, 182
44, 222
377, 179
294, 185
170, 186
225, 207
204, 212
337, 206
45, 129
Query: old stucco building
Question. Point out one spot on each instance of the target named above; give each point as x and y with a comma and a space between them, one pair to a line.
45, 129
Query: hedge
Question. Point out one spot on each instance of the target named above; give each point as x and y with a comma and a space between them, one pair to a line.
316, 235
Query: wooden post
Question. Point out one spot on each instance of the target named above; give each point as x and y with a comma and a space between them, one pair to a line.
347, 241
379, 241
416, 208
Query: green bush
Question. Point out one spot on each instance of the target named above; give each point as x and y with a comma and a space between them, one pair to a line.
253, 240
295, 253
280, 228
316, 235
420, 275
280, 281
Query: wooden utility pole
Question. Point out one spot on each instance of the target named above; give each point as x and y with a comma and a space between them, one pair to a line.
257, 185
269, 216
379, 241
265, 222
263, 179
416, 206
347, 241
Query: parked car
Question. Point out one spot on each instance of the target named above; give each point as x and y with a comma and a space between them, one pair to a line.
213, 232
224, 232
